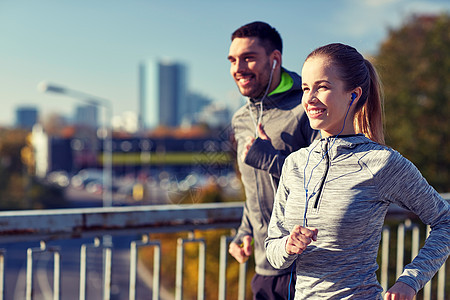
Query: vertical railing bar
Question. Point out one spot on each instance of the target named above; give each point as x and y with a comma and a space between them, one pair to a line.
385, 259
107, 247
156, 266
2, 274
180, 266
400, 249
133, 271
179, 270
29, 280
201, 269
441, 283
156, 269
415, 241
107, 273
29, 277
223, 255
82, 289
83, 267
242, 280
427, 291
427, 287
56, 274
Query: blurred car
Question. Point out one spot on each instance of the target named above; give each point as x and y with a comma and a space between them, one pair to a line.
87, 176
59, 178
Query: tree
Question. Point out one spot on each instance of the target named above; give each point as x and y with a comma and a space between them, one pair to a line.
18, 189
414, 66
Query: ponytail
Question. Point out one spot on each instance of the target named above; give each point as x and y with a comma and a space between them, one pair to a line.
369, 119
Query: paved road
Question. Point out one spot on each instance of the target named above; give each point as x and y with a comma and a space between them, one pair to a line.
15, 270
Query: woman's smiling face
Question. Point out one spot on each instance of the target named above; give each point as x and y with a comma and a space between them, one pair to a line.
324, 98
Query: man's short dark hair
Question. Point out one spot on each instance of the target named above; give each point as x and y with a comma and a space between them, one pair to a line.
269, 37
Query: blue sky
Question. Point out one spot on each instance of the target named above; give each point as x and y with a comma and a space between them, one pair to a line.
95, 46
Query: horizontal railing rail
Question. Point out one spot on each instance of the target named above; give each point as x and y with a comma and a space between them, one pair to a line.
87, 222
99, 225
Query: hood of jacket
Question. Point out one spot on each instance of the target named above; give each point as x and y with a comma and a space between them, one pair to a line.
272, 99
336, 146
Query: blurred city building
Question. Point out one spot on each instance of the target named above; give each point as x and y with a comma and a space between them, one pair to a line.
86, 115
165, 99
209, 153
197, 103
214, 115
162, 94
26, 117
174, 132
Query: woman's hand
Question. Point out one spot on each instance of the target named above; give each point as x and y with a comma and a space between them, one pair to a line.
400, 291
300, 238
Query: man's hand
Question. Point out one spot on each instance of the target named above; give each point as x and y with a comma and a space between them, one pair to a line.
250, 140
300, 238
400, 291
241, 252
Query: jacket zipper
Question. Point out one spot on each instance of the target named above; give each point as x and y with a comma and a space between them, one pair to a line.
327, 167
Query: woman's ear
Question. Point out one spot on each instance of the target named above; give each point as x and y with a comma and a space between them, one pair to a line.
355, 95
353, 98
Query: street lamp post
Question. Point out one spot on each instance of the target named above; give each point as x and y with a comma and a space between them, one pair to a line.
107, 138
107, 166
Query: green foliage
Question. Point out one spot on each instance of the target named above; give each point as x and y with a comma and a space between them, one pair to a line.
414, 66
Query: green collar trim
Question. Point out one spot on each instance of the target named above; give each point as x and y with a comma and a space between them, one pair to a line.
286, 84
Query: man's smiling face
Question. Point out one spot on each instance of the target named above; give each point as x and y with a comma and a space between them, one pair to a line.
250, 66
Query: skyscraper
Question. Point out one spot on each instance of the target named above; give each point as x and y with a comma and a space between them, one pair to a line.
162, 94
26, 117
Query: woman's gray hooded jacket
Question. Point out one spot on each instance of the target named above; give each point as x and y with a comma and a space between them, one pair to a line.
351, 181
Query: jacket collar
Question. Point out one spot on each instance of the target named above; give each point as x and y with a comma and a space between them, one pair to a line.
339, 144
275, 95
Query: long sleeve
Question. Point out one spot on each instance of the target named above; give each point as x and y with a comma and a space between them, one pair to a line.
262, 155
403, 184
278, 233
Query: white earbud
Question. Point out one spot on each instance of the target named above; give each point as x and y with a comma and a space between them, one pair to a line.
274, 64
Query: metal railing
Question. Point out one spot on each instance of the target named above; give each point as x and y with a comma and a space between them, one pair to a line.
97, 226
100, 225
